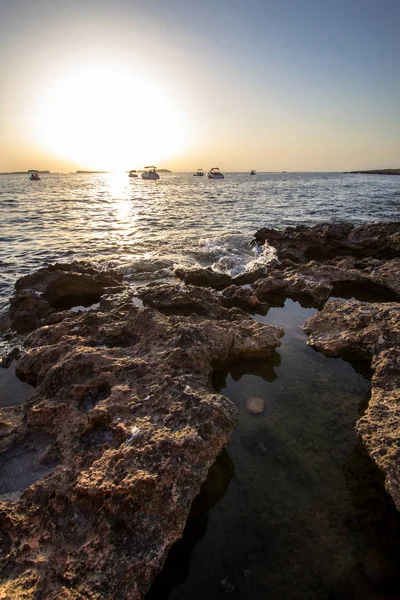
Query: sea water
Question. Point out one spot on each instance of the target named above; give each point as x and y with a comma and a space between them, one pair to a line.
147, 228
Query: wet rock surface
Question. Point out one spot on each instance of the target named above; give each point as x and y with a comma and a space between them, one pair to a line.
102, 462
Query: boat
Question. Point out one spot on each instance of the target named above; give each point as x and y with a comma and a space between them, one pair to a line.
214, 173
132, 173
199, 173
252, 172
34, 175
150, 173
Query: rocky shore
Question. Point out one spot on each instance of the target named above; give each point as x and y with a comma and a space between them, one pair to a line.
99, 467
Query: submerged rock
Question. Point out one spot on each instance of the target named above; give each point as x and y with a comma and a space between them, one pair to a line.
254, 404
120, 433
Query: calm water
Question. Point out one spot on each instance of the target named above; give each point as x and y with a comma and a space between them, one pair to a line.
149, 227
298, 510
293, 508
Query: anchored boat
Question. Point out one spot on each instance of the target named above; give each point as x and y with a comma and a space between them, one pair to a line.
214, 173
199, 173
150, 173
34, 175
132, 173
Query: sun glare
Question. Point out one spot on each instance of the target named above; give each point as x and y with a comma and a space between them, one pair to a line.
109, 119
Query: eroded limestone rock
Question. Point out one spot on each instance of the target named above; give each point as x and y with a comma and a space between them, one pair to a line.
370, 332
328, 240
55, 288
321, 280
379, 427
354, 329
119, 436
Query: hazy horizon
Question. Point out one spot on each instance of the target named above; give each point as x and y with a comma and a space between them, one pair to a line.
300, 86
160, 169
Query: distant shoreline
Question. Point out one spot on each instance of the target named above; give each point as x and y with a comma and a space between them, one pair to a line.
376, 172
25, 173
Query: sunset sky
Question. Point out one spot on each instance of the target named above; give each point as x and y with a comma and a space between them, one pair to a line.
306, 85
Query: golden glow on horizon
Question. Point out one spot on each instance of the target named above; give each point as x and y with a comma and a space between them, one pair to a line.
108, 118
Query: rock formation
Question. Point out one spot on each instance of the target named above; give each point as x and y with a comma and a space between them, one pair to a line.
371, 332
324, 241
339, 259
100, 466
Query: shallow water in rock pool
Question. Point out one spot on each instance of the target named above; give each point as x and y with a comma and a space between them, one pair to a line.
300, 509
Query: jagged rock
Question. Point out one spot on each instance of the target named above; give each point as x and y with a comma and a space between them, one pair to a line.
117, 440
320, 280
51, 289
205, 277
354, 329
244, 298
370, 332
387, 274
324, 241
292, 283
183, 299
27, 310
379, 427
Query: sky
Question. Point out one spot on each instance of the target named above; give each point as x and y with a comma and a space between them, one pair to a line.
295, 85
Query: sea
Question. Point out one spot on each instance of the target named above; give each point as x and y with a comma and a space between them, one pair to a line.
293, 508
148, 228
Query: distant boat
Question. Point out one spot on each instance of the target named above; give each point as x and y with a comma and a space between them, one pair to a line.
132, 173
283, 171
199, 173
150, 173
34, 175
214, 173
252, 172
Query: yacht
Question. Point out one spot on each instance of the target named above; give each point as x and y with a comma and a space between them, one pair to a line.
34, 175
132, 173
214, 173
150, 173
199, 173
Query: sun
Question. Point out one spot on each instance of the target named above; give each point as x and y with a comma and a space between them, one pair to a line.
109, 118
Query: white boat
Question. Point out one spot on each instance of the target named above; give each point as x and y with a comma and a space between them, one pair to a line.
214, 173
132, 173
150, 173
34, 175
199, 173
